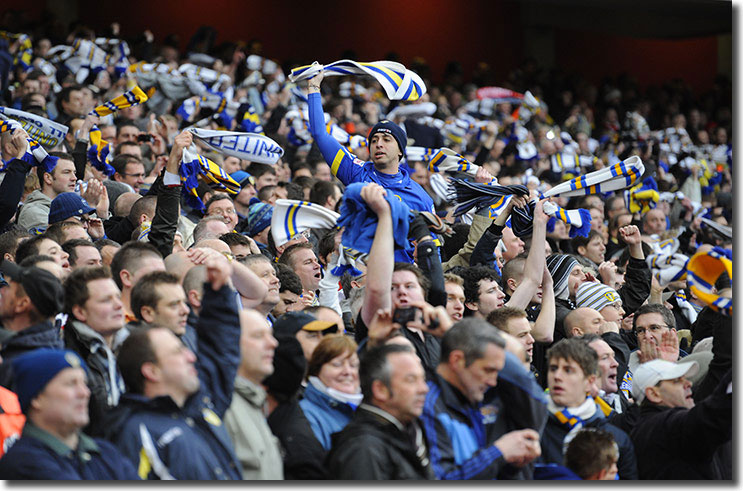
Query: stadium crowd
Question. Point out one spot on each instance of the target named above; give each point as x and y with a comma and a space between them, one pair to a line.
217, 267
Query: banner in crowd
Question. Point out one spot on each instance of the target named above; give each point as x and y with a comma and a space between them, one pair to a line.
48, 133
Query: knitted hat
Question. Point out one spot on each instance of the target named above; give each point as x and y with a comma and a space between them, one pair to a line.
242, 178
387, 126
259, 217
289, 366
35, 369
560, 266
42, 287
595, 295
68, 205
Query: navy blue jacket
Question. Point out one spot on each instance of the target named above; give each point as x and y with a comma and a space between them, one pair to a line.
461, 435
39, 455
555, 432
190, 442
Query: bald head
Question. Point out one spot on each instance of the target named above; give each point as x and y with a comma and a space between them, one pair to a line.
178, 263
124, 203
216, 244
582, 321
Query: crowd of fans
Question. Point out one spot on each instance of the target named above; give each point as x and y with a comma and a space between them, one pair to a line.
152, 330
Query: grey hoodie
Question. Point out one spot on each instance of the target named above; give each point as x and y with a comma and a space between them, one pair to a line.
35, 211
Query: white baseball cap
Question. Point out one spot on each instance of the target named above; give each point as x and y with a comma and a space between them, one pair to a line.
651, 373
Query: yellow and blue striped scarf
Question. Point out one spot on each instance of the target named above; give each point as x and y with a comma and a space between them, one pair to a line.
643, 197
704, 268
194, 165
618, 176
398, 82
35, 153
128, 99
45, 131
99, 153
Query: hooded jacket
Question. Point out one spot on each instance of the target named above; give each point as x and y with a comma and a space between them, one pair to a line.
325, 414
35, 211
256, 447
104, 379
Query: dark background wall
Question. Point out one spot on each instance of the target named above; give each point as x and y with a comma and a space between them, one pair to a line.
653, 40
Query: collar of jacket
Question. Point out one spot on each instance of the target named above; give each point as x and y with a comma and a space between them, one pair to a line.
314, 395
453, 397
27, 336
383, 416
251, 392
88, 336
85, 445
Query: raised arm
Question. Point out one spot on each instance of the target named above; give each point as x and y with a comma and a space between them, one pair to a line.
535, 262
168, 189
381, 259
11, 189
340, 160
544, 327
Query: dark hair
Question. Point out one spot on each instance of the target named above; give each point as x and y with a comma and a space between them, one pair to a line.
76, 285
70, 247
9, 240
233, 238
101, 243
423, 281
472, 277
257, 170
214, 198
591, 451
265, 193
321, 191
655, 308
500, 317
29, 247
580, 241
289, 279
41, 170
647, 249
121, 161
294, 191
287, 256
578, 351
305, 182
64, 94
144, 205
326, 245
614, 221
513, 269
471, 336
128, 258
135, 351
331, 346
144, 293
35, 259
375, 366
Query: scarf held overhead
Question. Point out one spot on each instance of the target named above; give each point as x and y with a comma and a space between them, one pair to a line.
398, 82
245, 146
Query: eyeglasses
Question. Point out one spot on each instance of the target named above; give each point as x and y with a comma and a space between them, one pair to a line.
653, 328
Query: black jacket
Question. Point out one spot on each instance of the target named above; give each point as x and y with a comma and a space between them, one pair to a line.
42, 335
636, 288
679, 443
372, 447
303, 454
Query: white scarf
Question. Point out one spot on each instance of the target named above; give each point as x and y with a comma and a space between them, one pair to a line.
573, 418
245, 146
353, 399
